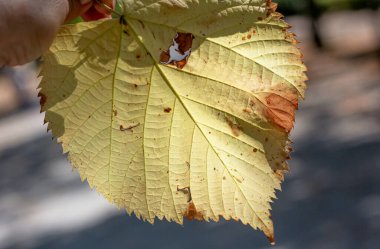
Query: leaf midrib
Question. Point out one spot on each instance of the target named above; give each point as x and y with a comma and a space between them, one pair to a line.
189, 113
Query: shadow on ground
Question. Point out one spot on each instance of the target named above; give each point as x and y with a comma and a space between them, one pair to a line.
29, 168
330, 201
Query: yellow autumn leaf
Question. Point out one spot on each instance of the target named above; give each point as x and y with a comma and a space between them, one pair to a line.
181, 109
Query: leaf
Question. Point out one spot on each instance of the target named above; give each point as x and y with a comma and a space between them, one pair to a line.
207, 140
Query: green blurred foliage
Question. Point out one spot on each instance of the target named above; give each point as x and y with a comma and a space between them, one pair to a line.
76, 20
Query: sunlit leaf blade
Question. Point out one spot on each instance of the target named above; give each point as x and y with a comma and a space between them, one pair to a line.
207, 140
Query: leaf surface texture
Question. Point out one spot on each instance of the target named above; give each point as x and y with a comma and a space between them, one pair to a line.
204, 141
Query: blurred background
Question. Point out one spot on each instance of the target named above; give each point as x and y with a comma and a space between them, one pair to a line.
330, 199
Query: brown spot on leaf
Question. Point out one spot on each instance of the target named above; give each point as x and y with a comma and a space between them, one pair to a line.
180, 48
254, 150
279, 174
290, 37
251, 103
43, 99
271, 239
280, 110
129, 128
167, 109
185, 42
249, 36
164, 56
243, 38
181, 64
192, 213
186, 191
138, 56
271, 7
235, 127
115, 113
247, 110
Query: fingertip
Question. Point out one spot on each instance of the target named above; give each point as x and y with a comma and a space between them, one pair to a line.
93, 14
99, 10
77, 9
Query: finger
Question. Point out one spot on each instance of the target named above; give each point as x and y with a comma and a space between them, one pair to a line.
93, 14
101, 9
98, 11
78, 8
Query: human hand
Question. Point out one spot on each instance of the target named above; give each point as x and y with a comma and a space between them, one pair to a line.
28, 27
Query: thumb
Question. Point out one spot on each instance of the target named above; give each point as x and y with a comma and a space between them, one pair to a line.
78, 8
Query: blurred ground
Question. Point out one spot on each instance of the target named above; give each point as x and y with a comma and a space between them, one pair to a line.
330, 199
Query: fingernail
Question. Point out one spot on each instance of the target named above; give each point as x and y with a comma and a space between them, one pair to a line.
84, 2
